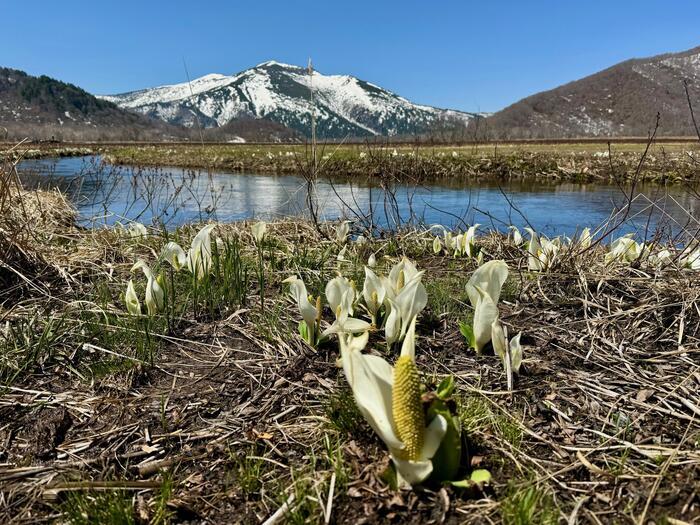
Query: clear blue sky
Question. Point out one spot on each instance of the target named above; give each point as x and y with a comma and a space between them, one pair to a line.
458, 54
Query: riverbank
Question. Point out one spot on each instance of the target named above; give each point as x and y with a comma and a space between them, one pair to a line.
215, 409
665, 163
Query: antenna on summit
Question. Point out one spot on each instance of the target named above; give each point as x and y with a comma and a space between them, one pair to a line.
310, 69
196, 116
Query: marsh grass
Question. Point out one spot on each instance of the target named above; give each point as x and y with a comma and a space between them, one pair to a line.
569, 161
106, 507
342, 413
531, 505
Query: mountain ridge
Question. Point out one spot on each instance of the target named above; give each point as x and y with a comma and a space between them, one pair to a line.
620, 100
344, 105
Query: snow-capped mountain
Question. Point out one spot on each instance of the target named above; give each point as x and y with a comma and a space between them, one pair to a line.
344, 105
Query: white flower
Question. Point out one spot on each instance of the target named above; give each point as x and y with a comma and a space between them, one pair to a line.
516, 235
624, 249
175, 255
259, 229
155, 296
385, 406
372, 261
136, 230
484, 291
373, 293
490, 278
342, 231
661, 259
309, 312
133, 306
584, 240
199, 257
469, 237
437, 245
511, 354
336, 289
341, 254
690, 259
344, 324
485, 313
534, 249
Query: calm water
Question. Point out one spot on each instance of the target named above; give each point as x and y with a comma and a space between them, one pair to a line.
105, 194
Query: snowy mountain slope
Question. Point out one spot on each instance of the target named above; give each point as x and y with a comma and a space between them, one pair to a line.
622, 100
344, 105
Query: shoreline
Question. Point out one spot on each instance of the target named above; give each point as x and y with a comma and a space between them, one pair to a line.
666, 163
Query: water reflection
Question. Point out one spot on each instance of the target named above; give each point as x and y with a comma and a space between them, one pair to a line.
106, 194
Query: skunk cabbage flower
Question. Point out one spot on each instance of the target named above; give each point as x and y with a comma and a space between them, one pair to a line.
175, 255
549, 251
392, 325
484, 291
373, 293
485, 313
404, 296
136, 230
340, 289
511, 354
341, 254
533, 251
624, 249
399, 276
458, 245
449, 240
490, 278
437, 245
468, 240
310, 313
661, 259
155, 296
344, 324
499, 340
690, 259
259, 229
342, 231
516, 353
389, 398
515, 234
133, 306
584, 240
199, 257
411, 300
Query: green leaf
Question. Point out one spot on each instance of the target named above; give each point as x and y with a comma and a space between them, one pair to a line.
448, 457
446, 388
477, 478
304, 331
468, 333
481, 476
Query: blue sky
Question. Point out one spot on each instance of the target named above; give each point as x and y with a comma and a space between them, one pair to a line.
463, 55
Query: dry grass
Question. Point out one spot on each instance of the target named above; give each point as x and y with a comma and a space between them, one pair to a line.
238, 418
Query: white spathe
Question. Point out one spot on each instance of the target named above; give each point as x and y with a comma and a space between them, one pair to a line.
490, 277
155, 296
371, 379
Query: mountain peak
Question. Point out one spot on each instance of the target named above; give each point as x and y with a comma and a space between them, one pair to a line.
344, 105
274, 63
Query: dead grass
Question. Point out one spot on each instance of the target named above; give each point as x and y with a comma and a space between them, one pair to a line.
238, 418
